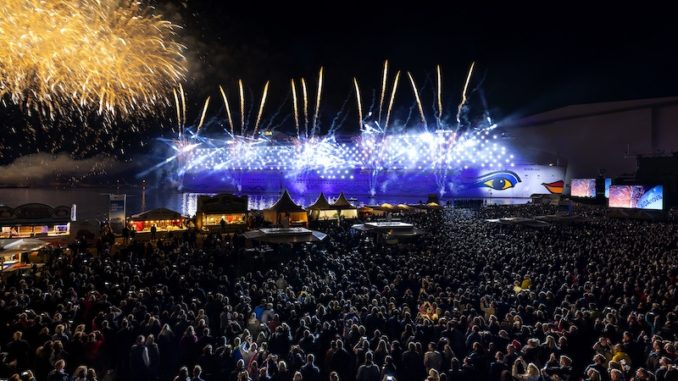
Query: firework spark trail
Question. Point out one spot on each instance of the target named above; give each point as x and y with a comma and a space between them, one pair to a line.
305, 93
274, 127
390, 103
439, 92
416, 96
295, 106
410, 111
270, 126
250, 109
183, 108
228, 109
242, 107
317, 101
74, 57
360, 105
463, 94
373, 102
261, 109
383, 88
342, 121
340, 117
483, 100
176, 102
202, 116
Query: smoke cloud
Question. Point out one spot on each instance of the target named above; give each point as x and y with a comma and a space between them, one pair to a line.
44, 168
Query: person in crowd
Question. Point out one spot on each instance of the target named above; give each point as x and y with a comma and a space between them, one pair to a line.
182, 375
310, 372
523, 371
139, 360
197, 373
368, 371
59, 372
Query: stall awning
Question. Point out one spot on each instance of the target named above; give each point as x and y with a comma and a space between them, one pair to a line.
21, 245
161, 214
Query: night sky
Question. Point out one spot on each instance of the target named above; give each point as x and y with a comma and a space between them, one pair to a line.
528, 59
532, 59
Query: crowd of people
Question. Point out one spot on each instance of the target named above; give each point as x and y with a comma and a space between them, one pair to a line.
466, 300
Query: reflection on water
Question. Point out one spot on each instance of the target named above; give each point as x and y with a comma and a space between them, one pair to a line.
93, 203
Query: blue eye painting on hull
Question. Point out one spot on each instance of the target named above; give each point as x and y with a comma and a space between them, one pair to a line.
498, 180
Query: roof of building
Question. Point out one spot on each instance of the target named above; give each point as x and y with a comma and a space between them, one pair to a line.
590, 109
34, 213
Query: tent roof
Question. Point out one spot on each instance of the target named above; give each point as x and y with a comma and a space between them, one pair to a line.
342, 203
285, 205
433, 205
321, 203
157, 214
285, 235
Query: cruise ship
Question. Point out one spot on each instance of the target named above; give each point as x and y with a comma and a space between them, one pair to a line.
441, 162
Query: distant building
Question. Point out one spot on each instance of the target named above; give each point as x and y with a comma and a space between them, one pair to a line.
599, 137
34, 220
231, 209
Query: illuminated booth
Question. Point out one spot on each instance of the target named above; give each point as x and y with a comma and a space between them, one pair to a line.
286, 213
34, 220
365, 212
382, 210
163, 219
433, 206
232, 209
344, 208
322, 210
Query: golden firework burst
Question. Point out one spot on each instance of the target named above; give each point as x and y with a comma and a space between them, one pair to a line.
112, 57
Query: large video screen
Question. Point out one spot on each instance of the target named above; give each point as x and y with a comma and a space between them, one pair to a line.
583, 188
637, 196
608, 182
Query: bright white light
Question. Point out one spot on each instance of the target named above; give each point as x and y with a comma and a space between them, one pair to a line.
373, 152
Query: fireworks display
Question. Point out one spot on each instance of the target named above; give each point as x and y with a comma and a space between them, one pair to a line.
425, 151
117, 59
61, 57
375, 151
